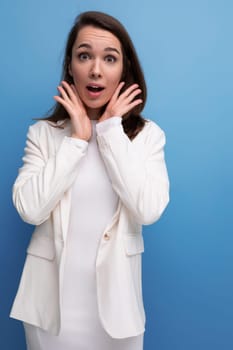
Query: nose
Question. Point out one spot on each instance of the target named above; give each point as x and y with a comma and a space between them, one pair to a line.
95, 71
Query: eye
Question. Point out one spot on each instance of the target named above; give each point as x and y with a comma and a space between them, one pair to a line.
110, 59
84, 56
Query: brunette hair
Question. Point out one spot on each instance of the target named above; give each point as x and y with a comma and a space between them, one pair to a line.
132, 122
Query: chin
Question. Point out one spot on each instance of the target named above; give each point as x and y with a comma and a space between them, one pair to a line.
96, 104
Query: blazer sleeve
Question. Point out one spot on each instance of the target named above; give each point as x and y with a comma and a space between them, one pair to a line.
137, 169
43, 180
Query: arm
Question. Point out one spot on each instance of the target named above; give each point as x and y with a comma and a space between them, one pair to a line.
137, 169
42, 181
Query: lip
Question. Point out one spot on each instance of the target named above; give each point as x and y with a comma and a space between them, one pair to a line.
94, 94
95, 85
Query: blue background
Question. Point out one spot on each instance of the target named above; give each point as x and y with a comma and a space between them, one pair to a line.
186, 52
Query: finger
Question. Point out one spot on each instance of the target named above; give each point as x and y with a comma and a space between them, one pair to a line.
130, 89
133, 94
63, 92
135, 103
130, 106
118, 89
120, 86
69, 91
63, 102
75, 92
126, 100
74, 89
125, 96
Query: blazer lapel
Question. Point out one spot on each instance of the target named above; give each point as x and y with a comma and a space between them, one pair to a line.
66, 199
65, 213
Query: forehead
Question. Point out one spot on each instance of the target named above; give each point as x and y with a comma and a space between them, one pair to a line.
97, 37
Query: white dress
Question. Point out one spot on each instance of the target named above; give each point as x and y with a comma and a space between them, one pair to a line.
94, 202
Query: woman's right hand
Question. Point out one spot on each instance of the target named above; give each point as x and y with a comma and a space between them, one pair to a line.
70, 100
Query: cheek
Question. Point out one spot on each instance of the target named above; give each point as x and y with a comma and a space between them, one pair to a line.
76, 75
115, 78
76, 72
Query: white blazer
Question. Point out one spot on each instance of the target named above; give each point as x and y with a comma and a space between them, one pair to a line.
41, 195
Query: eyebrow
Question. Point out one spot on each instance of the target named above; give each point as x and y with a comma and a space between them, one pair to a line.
108, 49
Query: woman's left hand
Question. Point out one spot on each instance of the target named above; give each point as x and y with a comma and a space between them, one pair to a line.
122, 103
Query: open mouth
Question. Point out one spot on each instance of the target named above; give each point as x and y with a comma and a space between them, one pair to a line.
95, 88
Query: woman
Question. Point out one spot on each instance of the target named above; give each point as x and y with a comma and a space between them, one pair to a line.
93, 174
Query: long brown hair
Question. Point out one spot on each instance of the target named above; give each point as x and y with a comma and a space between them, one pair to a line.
132, 122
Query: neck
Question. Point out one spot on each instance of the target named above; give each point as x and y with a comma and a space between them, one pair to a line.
93, 114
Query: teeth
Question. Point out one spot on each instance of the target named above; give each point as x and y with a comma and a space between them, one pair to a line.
94, 88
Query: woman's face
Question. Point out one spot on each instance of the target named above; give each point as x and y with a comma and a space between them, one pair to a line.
96, 67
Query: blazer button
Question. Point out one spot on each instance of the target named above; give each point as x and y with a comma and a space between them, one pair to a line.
107, 236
